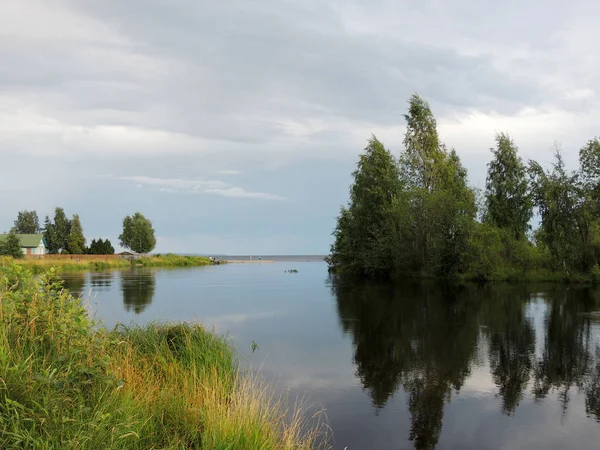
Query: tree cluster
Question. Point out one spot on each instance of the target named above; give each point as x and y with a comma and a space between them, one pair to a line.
64, 235
11, 246
100, 247
416, 214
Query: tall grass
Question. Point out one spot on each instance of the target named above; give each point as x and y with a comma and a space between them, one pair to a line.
72, 265
65, 265
172, 260
67, 385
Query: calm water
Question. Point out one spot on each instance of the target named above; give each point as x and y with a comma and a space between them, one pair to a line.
396, 367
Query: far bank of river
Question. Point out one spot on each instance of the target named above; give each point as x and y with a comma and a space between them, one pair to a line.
75, 263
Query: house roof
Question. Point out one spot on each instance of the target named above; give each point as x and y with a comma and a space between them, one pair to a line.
26, 240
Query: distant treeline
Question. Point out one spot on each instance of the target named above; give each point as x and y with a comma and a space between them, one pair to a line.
416, 215
64, 235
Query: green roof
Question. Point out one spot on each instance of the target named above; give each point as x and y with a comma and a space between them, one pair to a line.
27, 240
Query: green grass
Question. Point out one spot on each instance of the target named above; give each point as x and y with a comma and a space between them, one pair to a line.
66, 384
65, 265
69, 265
172, 260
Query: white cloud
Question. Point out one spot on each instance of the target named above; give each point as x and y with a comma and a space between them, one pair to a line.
174, 185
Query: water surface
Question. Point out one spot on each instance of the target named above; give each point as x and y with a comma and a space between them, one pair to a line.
411, 365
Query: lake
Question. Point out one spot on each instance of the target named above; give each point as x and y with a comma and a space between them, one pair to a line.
396, 366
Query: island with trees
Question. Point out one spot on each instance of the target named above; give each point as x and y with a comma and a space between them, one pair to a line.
415, 215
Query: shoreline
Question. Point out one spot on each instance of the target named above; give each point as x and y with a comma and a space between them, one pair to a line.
100, 262
248, 261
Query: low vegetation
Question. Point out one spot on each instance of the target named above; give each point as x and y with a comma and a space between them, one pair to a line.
417, 216
75, 263
172, 260
66, 383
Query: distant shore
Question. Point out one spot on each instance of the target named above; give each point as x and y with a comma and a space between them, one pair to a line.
248, 261
103, 262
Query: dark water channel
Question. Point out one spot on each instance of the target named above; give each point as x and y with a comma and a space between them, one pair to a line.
414, 365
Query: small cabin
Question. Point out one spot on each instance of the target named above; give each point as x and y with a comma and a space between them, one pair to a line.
31, 244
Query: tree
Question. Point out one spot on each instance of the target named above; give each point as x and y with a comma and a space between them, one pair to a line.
76, 240
364, 227
27, 223
100, 247
63, 228
52, 244
56, 234
509, 205
108, 249
442, 205
138, 234
11, 246
556, 195
422, 155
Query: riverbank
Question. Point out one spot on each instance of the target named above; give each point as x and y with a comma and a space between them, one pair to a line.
497, 276
101, 262
67, 384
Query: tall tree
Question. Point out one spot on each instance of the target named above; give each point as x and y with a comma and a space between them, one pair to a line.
138, 234
556, 195
108, 248
11, 246
451, 209
363, 227
422, 155
76, 240
509, 205
27, 223
63, 228
442, 205
50, 236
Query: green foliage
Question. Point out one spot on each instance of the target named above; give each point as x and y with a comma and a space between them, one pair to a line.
100, 247
66, 383
414, 215
509, 205
27, 223
138, 234
57, 233
418, 216
76, 240
11, 246
362, 226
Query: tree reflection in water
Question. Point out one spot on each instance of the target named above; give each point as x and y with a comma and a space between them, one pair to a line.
138, 288
424, 338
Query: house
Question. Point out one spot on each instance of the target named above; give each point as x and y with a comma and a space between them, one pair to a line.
31, 244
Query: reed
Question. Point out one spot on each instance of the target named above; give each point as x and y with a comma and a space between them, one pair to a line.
66, 383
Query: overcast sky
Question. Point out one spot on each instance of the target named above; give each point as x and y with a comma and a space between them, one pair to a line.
234, 125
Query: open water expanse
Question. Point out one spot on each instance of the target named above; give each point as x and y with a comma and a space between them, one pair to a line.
395, 366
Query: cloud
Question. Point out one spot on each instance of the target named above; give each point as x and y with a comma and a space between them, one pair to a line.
176, 185
180, 90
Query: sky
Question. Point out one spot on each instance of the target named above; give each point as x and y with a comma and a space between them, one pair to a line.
235, 125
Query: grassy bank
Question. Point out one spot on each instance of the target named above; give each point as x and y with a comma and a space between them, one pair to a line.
66, 265
66, 385
101, 263
171, 260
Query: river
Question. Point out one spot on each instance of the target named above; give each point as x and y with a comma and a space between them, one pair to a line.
395, 366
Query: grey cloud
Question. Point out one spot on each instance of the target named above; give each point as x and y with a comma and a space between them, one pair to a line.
250, 73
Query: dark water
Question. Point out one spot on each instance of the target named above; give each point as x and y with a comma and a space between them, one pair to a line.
414, 365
